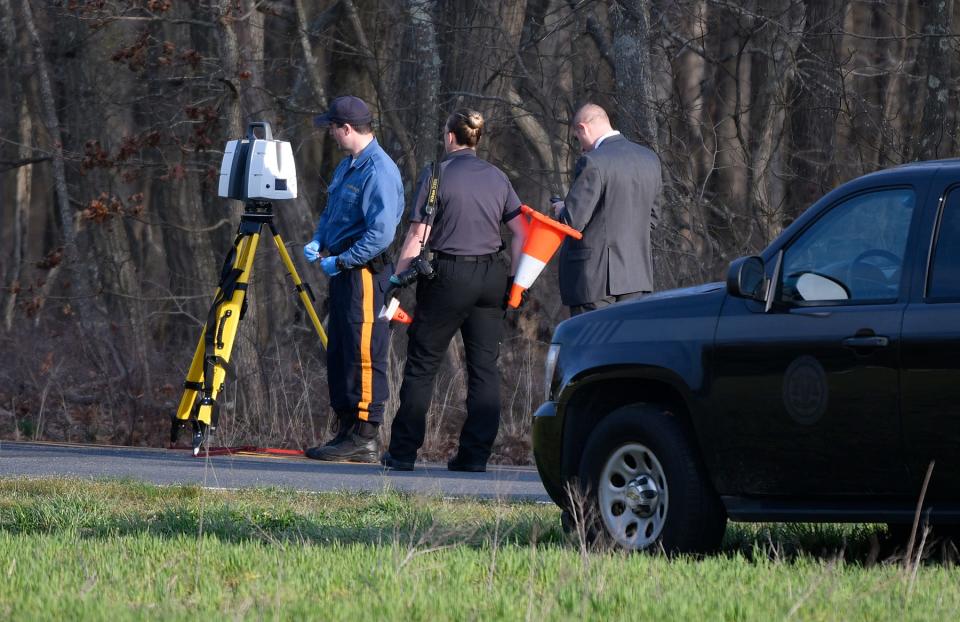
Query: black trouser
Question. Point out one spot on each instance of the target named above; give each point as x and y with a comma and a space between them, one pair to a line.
357, 345
464, 296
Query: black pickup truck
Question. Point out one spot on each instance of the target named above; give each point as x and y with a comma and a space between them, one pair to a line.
819, 383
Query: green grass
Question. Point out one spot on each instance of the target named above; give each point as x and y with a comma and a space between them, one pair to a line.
124, 550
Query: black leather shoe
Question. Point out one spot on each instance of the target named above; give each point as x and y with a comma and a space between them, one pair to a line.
456, 465
353, 448
392, 464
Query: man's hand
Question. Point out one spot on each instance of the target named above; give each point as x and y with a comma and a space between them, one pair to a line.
506, 295
329, 265
557, 208
312, 251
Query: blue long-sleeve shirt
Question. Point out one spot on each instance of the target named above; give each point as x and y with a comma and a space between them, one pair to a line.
364, 207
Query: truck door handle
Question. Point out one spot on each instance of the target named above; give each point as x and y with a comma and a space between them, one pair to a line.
874, 341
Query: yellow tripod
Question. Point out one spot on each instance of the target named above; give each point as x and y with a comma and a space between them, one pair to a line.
211, 361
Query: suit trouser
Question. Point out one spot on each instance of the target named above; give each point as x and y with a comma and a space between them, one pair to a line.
464, 296
357, 345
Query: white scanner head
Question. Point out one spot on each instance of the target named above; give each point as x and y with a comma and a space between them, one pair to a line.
255, 169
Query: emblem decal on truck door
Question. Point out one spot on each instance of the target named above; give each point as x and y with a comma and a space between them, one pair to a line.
805, 390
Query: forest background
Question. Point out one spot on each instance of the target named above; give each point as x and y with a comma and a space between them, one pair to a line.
114, 114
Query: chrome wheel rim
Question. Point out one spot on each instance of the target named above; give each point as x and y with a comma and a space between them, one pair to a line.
633, 497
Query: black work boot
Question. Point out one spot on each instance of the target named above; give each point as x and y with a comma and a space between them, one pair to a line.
345, 425
359, 445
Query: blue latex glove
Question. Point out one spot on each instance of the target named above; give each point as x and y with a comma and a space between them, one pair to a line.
312, 251
329, 265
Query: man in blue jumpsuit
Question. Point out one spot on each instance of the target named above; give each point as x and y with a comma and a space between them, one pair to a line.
364, 206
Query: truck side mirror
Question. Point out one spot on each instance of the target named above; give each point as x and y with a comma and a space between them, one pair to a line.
746, 278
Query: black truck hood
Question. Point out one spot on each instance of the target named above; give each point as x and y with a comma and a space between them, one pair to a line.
683, 291
691, 310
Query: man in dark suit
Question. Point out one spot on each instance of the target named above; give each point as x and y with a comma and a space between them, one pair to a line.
613, 202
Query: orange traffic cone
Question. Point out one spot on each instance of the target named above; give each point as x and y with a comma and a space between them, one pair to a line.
544, 236
393, 313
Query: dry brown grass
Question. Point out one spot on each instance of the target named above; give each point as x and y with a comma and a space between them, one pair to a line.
58, 384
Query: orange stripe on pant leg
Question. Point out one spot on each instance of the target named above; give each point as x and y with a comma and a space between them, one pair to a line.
366, 336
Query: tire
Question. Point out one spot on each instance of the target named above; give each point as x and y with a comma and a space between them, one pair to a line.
644, 487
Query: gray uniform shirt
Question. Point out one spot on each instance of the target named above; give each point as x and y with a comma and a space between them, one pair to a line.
473, 199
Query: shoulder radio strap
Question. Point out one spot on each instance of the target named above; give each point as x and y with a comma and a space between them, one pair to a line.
430, 209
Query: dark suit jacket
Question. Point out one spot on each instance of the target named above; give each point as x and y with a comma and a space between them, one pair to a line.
614, 202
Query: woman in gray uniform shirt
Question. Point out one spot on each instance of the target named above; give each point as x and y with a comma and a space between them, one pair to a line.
467, 294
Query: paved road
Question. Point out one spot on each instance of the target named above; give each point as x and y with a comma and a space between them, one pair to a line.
163, 466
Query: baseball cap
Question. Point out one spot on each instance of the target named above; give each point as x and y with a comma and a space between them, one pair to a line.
346, 109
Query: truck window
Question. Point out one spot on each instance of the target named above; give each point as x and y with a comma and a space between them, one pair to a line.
859, 244
944, 277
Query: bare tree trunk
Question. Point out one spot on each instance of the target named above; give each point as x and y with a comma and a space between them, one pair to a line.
935, 59
230, 54
24, 197
772, 72
815, 105
190, 258
315, 71
24, 180
188, 254
731, 125
376, 77
508, 23
533, 131
691, 73
558, 86
693, 138
424, 79
894, 106
52, 124
479, 71
633, 68
122, 291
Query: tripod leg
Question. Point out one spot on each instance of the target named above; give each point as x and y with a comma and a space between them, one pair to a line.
215, 346
228, 322
192, 386
194, 382
303, 290
192, 392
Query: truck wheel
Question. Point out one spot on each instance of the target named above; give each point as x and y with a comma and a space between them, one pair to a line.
644, 487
